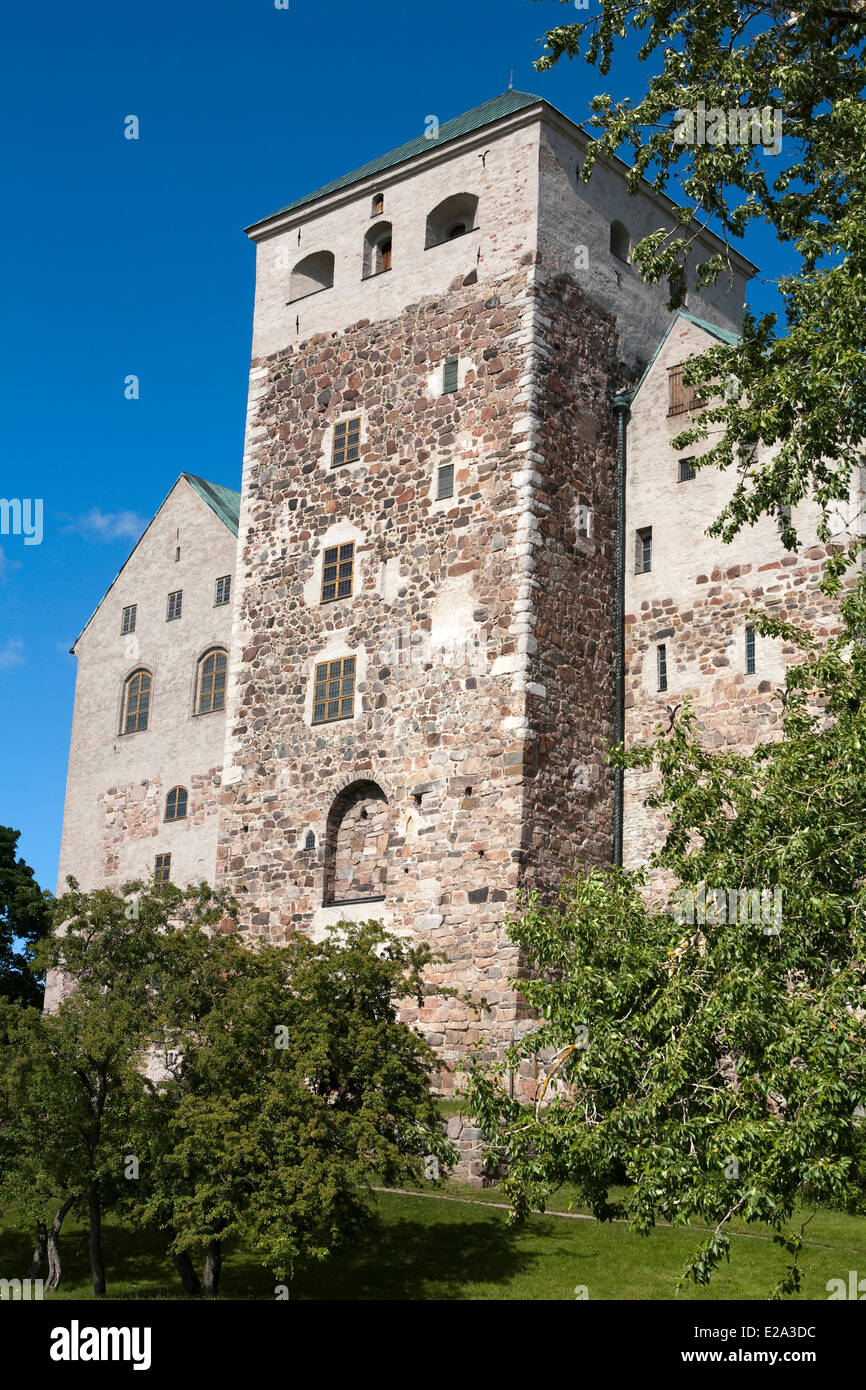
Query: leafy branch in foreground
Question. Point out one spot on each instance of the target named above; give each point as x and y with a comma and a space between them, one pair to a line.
718, 1071
798, 390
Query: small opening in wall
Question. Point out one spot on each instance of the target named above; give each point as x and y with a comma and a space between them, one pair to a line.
363, 815
310, 841
417, 798
467, 791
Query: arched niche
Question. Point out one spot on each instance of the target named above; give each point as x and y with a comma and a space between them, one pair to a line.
357, 839
451, 218
315, 272
377, 249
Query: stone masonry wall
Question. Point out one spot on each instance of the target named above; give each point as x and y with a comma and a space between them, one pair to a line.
570, 704
439, 709
696, 597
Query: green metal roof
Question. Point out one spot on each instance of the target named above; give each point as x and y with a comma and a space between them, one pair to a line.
481, 116
222, 500
723, 334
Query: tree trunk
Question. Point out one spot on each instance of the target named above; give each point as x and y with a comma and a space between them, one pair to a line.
183, 1264
54, 1270
39, 1260
213, 1263
94, 1209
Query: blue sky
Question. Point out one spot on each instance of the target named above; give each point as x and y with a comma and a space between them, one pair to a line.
128, 257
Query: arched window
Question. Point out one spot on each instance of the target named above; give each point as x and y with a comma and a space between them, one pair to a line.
136, 705
212, 683
313, 273
378, 205
175, 804
620, 241
310, 841
377, 249
451, 218
356, 845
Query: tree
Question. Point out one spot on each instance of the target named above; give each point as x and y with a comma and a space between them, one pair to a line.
210, 1089
25, 917
293, 1089
39, 1173
70, 1079
713, 1052
799, 391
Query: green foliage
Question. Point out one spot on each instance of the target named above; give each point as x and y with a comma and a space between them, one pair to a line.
25, 916
724, 1080
798, 389
296, 1087
261, 1092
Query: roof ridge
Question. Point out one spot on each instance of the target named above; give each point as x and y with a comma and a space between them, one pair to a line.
724, 334
506, 104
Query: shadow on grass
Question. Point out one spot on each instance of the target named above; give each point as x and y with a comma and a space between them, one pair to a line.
434, 1253
416, 1259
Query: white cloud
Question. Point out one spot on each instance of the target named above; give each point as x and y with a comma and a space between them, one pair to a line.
12, 654
108, 526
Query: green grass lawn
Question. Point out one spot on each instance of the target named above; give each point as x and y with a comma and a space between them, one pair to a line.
424, 1248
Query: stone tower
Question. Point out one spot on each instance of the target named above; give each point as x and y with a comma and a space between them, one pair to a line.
421, 689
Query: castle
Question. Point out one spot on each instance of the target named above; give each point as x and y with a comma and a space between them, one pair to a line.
465, 559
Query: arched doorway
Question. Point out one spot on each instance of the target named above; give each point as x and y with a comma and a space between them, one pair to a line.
356, 845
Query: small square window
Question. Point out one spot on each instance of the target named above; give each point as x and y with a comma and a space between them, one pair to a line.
334, 691
643, 560
175, 605
662, 667
128, 623
687, 470
338, 566
223, 590
449, 375
445, 482
347, 441
750, 651
162, 868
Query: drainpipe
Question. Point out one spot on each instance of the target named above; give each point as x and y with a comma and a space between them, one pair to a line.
621, 405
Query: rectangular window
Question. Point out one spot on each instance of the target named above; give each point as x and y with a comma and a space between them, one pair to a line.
175, 604
347, 441
334, 693
687, 470
128, 623
162, 868
680, 396
223, 590
662, 666
449, 375
338, 566
750, 651
643, 558
445, 482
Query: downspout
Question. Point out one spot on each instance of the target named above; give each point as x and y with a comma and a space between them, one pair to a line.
621, 405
